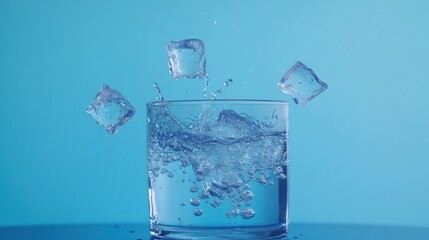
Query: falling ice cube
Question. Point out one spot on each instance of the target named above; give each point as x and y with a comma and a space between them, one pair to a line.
187, 59
110, 109
302, 84
230, 125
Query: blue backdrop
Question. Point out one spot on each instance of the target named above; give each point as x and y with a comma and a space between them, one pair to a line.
358, 151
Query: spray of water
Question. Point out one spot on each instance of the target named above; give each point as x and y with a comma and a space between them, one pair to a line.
225, 85
159, 96
206, 85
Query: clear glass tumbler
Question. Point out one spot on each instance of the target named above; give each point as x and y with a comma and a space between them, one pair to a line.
218, 169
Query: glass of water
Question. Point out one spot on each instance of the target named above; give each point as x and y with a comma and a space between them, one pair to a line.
218, 169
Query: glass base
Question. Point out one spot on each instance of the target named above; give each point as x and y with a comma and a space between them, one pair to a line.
270, 232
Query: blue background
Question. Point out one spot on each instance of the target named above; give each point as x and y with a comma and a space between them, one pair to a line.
358, 151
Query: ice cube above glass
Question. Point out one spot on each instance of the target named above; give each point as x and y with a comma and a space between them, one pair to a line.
302, 84
187, 58
110, 109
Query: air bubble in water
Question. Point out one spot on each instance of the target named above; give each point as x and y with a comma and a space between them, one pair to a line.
194, 201
198, 212
248, 195
233, 213
216, 203
194, 188
204, 195
247, 213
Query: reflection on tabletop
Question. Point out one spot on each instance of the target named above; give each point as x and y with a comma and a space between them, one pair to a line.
301, 231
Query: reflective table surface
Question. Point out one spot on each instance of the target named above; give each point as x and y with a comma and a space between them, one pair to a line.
299, 231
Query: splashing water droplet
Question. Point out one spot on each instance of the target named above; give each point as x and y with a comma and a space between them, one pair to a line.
225, 85
158, 90
206, 85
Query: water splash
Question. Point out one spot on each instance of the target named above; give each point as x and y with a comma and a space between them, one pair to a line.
159, 96
206, 85
225, 85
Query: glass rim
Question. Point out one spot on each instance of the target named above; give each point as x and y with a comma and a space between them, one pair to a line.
220, 101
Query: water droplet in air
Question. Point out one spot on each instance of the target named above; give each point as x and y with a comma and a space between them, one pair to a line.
158, 89
225, 85
227, 82
206, 85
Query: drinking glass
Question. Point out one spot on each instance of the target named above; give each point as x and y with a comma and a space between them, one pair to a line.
218, 169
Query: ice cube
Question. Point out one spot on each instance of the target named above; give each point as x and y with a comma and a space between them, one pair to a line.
231, 125
301, 83
187, 59
110, 109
